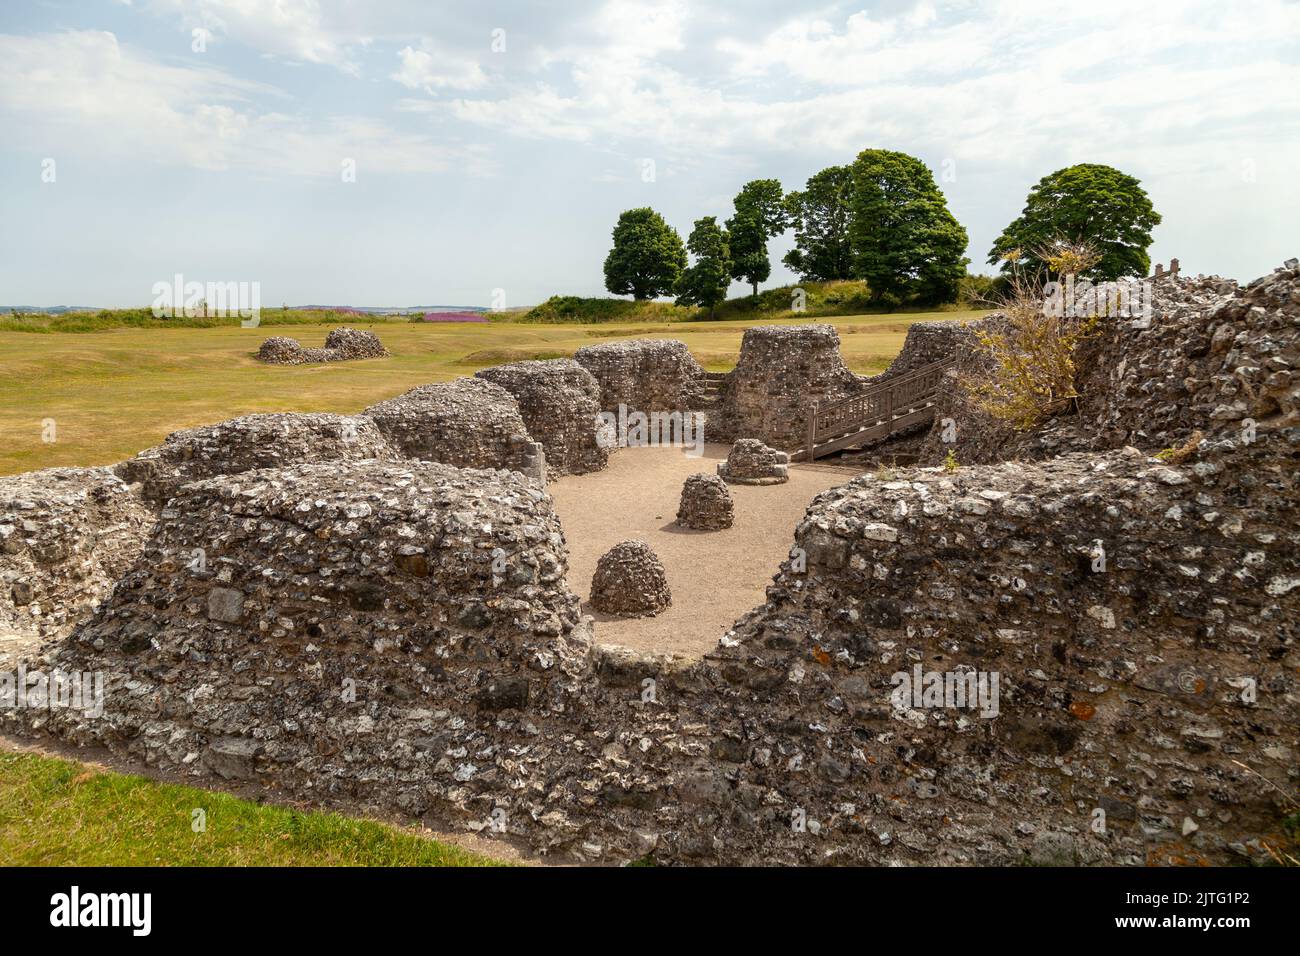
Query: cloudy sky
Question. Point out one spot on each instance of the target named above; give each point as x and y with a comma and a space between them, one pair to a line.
494, 144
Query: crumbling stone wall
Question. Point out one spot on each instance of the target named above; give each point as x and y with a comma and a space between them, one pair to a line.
341, 345
337, 602
927, 342
781, 371
784, 369
646, 375
1211, 355
559, 402
467, 422
66, 537
254, 441
440, 594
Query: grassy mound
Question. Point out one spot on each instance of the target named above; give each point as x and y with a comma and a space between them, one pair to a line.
576, 308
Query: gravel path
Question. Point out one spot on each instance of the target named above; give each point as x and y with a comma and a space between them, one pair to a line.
715, 576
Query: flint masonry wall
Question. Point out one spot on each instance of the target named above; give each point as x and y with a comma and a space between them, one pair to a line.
1211, 355
341, 345
440, 593
559, 401
780, 371
647, 375
924, 343
248, 443
355, 630
66, 536
467, 422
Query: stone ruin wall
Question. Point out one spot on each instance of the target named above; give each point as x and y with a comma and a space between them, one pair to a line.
477, 689
646, 375
927, 342
781, 370
481, 702
254, 441
559, 401
1212, 355
66, 536
467, 422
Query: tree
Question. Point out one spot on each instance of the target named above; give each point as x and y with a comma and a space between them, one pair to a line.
1088, 203
648, 256
705, 283
760, 214
749, 261
820, 216
905, 242
765, 200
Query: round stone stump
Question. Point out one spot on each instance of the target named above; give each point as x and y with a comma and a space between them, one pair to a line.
630, 582
706, 504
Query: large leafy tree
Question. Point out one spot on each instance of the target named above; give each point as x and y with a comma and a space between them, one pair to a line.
905, 242
1088, 204
765, 200
749, 261
705, 283
820, 216
761, 213
648, 256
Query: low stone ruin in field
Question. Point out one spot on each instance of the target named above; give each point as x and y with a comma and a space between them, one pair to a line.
1078, 646
341, 345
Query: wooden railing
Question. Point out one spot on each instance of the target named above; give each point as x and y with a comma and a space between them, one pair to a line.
881, 404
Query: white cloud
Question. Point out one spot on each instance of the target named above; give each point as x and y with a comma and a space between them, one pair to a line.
294, 29
430, 69
1013, 81
81, 90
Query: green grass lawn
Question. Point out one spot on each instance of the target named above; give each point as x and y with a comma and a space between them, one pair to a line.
60, 813
113, 393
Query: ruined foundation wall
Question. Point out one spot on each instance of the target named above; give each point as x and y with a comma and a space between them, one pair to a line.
781, 370
440, 594
467, 422
341, 345
1211, 355
66, 536
248, 443
646, 375
559, 402
1137, 690
399, 636
354, 633
924, 343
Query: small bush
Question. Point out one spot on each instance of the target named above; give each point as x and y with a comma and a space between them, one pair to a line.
1031, 353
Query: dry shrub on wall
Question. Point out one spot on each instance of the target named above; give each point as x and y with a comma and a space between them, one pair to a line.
1030, 353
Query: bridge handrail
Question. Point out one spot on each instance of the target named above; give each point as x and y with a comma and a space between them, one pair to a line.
926, 377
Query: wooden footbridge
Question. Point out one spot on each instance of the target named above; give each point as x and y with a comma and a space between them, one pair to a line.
897, 404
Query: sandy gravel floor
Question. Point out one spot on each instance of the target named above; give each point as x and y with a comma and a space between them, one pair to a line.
715, 576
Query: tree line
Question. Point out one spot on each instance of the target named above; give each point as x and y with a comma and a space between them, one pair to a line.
884, 220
